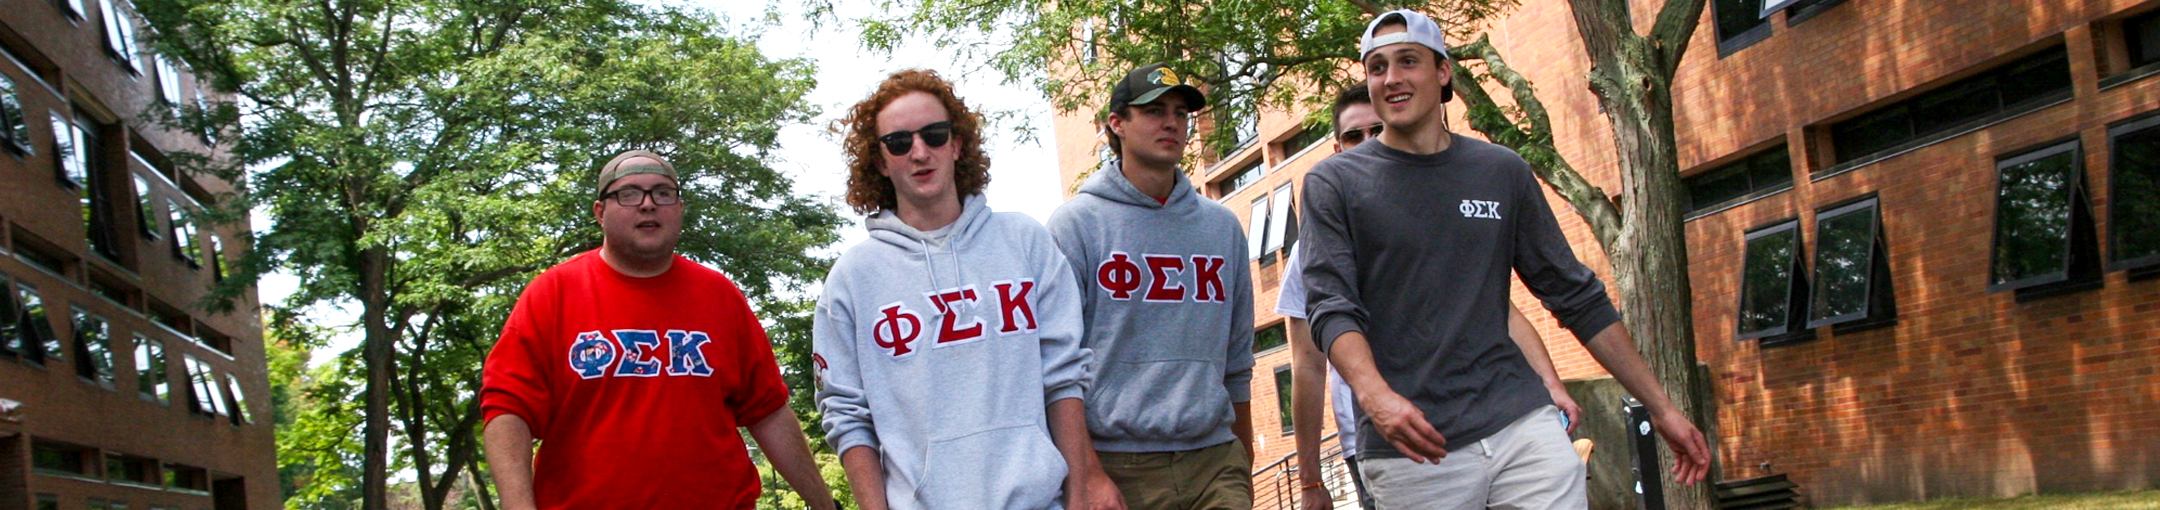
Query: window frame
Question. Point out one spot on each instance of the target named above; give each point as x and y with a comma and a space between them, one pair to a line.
1728, 44
1279, 214
93, 365
1285, 382
1283, 326
153, 372
1796, 293
1878, 308
2146, 123
1256, 228
2073, 190
14, 121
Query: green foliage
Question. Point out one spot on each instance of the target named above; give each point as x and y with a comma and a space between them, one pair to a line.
1250, 54
421, 161
779, 495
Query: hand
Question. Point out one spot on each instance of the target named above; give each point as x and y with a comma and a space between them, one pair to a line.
1404, 426
1691, 454
1567, 406
1316, 498
1094, 491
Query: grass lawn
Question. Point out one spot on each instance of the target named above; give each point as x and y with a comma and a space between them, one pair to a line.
2136, 500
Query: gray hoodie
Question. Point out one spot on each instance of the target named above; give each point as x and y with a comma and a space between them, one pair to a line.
1167, 294
942, 349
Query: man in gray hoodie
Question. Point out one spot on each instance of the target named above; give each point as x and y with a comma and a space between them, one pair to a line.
1167, 298
947, 346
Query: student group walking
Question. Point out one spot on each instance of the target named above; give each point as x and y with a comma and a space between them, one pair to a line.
973, 359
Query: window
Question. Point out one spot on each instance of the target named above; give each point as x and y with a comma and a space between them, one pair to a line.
187, 478
1256, 228
1773, 286
14, 125
150, 377
93, 349
79, 168
1282, 397
183, 230
1241, 178
215, 255
2143, 34
145, 208
1270, 338
1852, 273
1739, 24
2134, 203
120, 34
207, 398
1087, 35
2043, 225
1804, 9
1305, 138
168, 77
73, 8
48, 502
2007, 90
66, 138
59, 458
130, 469
1280, 223
1761, 174
98, 504
37, 339
240, 413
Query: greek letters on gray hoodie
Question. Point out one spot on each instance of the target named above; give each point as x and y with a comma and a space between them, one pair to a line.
1167, 294
942, 349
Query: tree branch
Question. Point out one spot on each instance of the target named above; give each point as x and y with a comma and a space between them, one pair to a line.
1676, 23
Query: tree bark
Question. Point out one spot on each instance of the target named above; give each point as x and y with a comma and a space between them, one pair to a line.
377, 350
1632, 78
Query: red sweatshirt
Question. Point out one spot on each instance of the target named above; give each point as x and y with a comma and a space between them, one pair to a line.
635, 386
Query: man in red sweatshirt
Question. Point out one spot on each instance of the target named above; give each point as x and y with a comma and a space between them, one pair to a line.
634, 366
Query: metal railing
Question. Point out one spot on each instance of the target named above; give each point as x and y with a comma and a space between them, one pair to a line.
1276, 485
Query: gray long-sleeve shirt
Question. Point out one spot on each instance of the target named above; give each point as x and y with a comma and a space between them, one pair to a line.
1414, 250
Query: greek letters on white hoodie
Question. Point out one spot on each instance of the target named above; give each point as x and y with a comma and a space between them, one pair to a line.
942, 350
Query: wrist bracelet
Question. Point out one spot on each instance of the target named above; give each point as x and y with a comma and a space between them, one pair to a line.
1314, 485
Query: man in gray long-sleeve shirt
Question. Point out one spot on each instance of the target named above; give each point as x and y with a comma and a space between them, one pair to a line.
1409, 244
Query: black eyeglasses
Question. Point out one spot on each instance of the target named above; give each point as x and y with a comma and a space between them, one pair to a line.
1358, 135
633, 197
898, 143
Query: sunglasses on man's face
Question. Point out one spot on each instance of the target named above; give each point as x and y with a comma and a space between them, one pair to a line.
898, 143
1358, 135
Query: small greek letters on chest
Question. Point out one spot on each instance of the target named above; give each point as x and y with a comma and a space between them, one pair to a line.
1482, 209
898, 328
1169, 279
640, 353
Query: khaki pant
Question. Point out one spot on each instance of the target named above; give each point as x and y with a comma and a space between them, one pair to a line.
1527, 466
1214, 478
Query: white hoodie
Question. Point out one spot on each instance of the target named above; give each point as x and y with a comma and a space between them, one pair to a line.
942, 350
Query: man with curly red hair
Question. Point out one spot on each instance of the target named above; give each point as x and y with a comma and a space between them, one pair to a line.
1169, 309
948, 345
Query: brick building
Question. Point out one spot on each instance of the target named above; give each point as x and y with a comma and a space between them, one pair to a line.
120, 391
1923, 236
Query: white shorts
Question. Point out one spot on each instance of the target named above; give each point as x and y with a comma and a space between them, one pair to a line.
1528, 465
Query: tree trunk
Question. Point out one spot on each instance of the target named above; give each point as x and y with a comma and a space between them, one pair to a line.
377, 350
1632, 79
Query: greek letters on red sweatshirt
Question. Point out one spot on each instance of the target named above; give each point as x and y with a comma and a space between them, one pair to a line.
635, 386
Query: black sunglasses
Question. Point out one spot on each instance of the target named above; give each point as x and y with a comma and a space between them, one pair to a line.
898, 143
1358, 135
